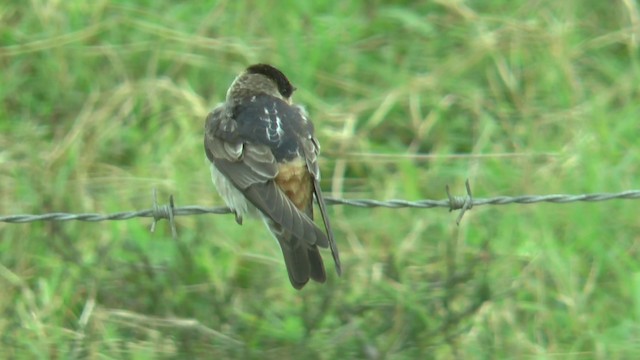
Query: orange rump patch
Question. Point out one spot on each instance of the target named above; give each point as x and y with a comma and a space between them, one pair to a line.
295, 181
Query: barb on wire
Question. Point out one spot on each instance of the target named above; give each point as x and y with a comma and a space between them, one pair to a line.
463, 203
164, 212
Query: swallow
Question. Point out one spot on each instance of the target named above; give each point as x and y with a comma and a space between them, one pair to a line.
264, 161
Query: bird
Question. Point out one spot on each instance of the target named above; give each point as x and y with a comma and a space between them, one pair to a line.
263, 157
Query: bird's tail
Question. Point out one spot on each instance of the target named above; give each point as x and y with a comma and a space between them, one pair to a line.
302, 259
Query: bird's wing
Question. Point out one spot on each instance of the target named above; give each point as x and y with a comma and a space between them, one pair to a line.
252, 168
311, 148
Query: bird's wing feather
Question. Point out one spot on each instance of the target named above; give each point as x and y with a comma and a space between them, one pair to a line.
311, 148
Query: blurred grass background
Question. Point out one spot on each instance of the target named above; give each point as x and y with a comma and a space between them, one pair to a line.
103, 101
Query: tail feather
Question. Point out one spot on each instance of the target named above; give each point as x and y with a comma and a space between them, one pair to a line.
303, 261
316, 266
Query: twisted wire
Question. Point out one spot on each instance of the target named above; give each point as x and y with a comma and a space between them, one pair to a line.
453, 203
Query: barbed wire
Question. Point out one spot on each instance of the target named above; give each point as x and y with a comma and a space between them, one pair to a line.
463, 203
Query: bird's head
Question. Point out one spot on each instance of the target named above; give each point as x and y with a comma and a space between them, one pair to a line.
261, 79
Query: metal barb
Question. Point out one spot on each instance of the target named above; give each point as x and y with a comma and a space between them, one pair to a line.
164, 212
468, 202
462, 203
172, 223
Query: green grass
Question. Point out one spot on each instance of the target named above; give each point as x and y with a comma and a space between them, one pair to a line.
101, 102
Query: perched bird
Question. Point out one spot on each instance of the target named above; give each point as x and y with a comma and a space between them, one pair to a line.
264, 161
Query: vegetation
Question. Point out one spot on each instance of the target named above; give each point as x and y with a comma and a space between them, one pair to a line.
101, 102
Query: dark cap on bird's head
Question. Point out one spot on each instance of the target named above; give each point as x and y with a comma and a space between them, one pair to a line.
261, 78
284, 86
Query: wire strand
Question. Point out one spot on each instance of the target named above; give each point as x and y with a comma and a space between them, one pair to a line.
453, 203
